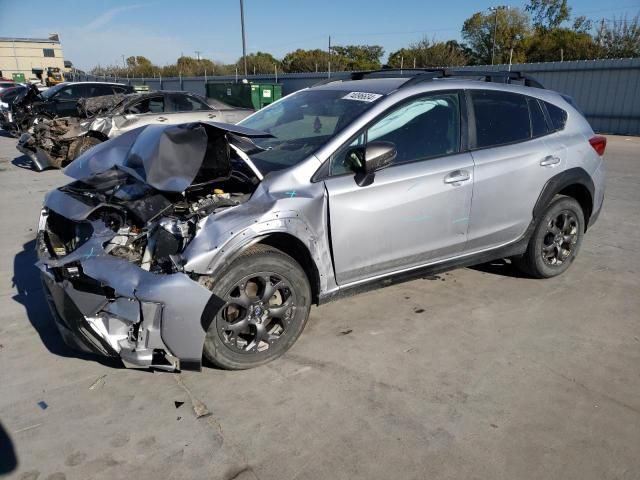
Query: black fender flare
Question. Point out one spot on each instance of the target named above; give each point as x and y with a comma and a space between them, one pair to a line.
557, 183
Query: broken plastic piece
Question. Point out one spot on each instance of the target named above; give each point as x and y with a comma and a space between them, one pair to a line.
43, 405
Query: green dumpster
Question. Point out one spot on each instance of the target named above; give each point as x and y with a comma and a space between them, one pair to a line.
18, 77
246, 95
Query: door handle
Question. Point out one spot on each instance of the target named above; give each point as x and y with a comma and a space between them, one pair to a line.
457, 176
162, 119
212, 115
549, 160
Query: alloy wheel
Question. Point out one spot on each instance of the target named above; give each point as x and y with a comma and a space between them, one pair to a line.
560, 238
257, 312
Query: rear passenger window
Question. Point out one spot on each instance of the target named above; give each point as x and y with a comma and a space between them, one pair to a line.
148, 105
538, 122
557, 115
501, 118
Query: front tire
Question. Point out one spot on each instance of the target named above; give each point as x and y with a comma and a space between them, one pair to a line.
267, 298
556, 239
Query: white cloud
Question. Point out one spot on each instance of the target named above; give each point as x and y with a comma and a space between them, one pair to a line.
107, 16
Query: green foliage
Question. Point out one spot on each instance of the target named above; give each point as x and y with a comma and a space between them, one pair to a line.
511, 27
311, 61
360, 57
425, 53
561, 44
548, 14
619, 38
259, 62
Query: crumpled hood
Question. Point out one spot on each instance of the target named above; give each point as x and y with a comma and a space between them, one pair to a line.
166, 157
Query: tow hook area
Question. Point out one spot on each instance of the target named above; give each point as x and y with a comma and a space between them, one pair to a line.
132, 328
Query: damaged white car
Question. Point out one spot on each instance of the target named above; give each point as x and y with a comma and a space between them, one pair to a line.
57, 142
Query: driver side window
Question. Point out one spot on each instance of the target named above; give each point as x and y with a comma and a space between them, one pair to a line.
422, 128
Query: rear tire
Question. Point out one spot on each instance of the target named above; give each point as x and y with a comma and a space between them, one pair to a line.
556, 239
267, 298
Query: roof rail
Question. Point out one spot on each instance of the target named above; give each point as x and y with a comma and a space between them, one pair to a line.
411, 71
426, 74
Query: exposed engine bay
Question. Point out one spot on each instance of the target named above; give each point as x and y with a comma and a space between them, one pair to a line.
110, 242
150, 227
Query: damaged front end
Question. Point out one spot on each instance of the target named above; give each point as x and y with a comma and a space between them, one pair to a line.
56, 142
110, 243
53, 142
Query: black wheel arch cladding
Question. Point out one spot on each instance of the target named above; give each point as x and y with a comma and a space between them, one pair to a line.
572, 182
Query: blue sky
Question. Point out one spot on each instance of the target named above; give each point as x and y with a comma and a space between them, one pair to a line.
100, 31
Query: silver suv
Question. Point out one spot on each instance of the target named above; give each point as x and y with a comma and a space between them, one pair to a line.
176, 242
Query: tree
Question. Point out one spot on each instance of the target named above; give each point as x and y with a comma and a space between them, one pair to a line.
360, 57
260, 62
511, 26
548, 14
619, 38
425, 53
139, 66
561, 44
312, 60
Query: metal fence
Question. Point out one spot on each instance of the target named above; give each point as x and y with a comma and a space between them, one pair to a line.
607, 91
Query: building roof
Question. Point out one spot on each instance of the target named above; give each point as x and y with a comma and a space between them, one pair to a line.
31, 40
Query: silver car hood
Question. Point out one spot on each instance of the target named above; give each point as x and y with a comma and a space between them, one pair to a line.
168, 157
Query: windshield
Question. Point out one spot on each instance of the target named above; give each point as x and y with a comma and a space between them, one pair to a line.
301, 123
49, 92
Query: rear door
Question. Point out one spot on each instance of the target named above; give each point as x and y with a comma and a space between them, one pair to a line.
189, 108
146, 111
513, 160
416, 210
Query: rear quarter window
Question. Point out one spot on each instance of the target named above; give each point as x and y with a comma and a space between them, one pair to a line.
557, 116
538, 122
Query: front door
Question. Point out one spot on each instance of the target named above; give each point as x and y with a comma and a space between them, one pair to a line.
416, 211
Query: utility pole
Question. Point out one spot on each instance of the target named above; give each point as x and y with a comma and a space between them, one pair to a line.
329, 63
123, 62
495, 29
197, 52
244, 44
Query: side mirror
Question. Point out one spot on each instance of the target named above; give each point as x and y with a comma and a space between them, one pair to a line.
366, 160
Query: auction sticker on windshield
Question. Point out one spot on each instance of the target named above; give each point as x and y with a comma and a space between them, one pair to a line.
362, 96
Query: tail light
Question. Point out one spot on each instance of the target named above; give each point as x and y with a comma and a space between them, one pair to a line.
599, 143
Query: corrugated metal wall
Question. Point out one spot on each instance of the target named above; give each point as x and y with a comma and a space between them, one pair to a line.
607, 91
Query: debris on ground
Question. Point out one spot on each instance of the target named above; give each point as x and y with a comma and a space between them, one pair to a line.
418, 310
346, 332
178, 404
199, 407
30, 427
43, 405
99, 382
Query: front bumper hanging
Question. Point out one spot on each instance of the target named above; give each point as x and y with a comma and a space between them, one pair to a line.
108, 306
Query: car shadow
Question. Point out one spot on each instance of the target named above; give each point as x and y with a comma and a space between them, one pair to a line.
26, 279
5, 134
23, 161
8, 457
500, 267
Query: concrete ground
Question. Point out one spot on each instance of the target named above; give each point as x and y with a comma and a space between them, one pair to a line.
476, 374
